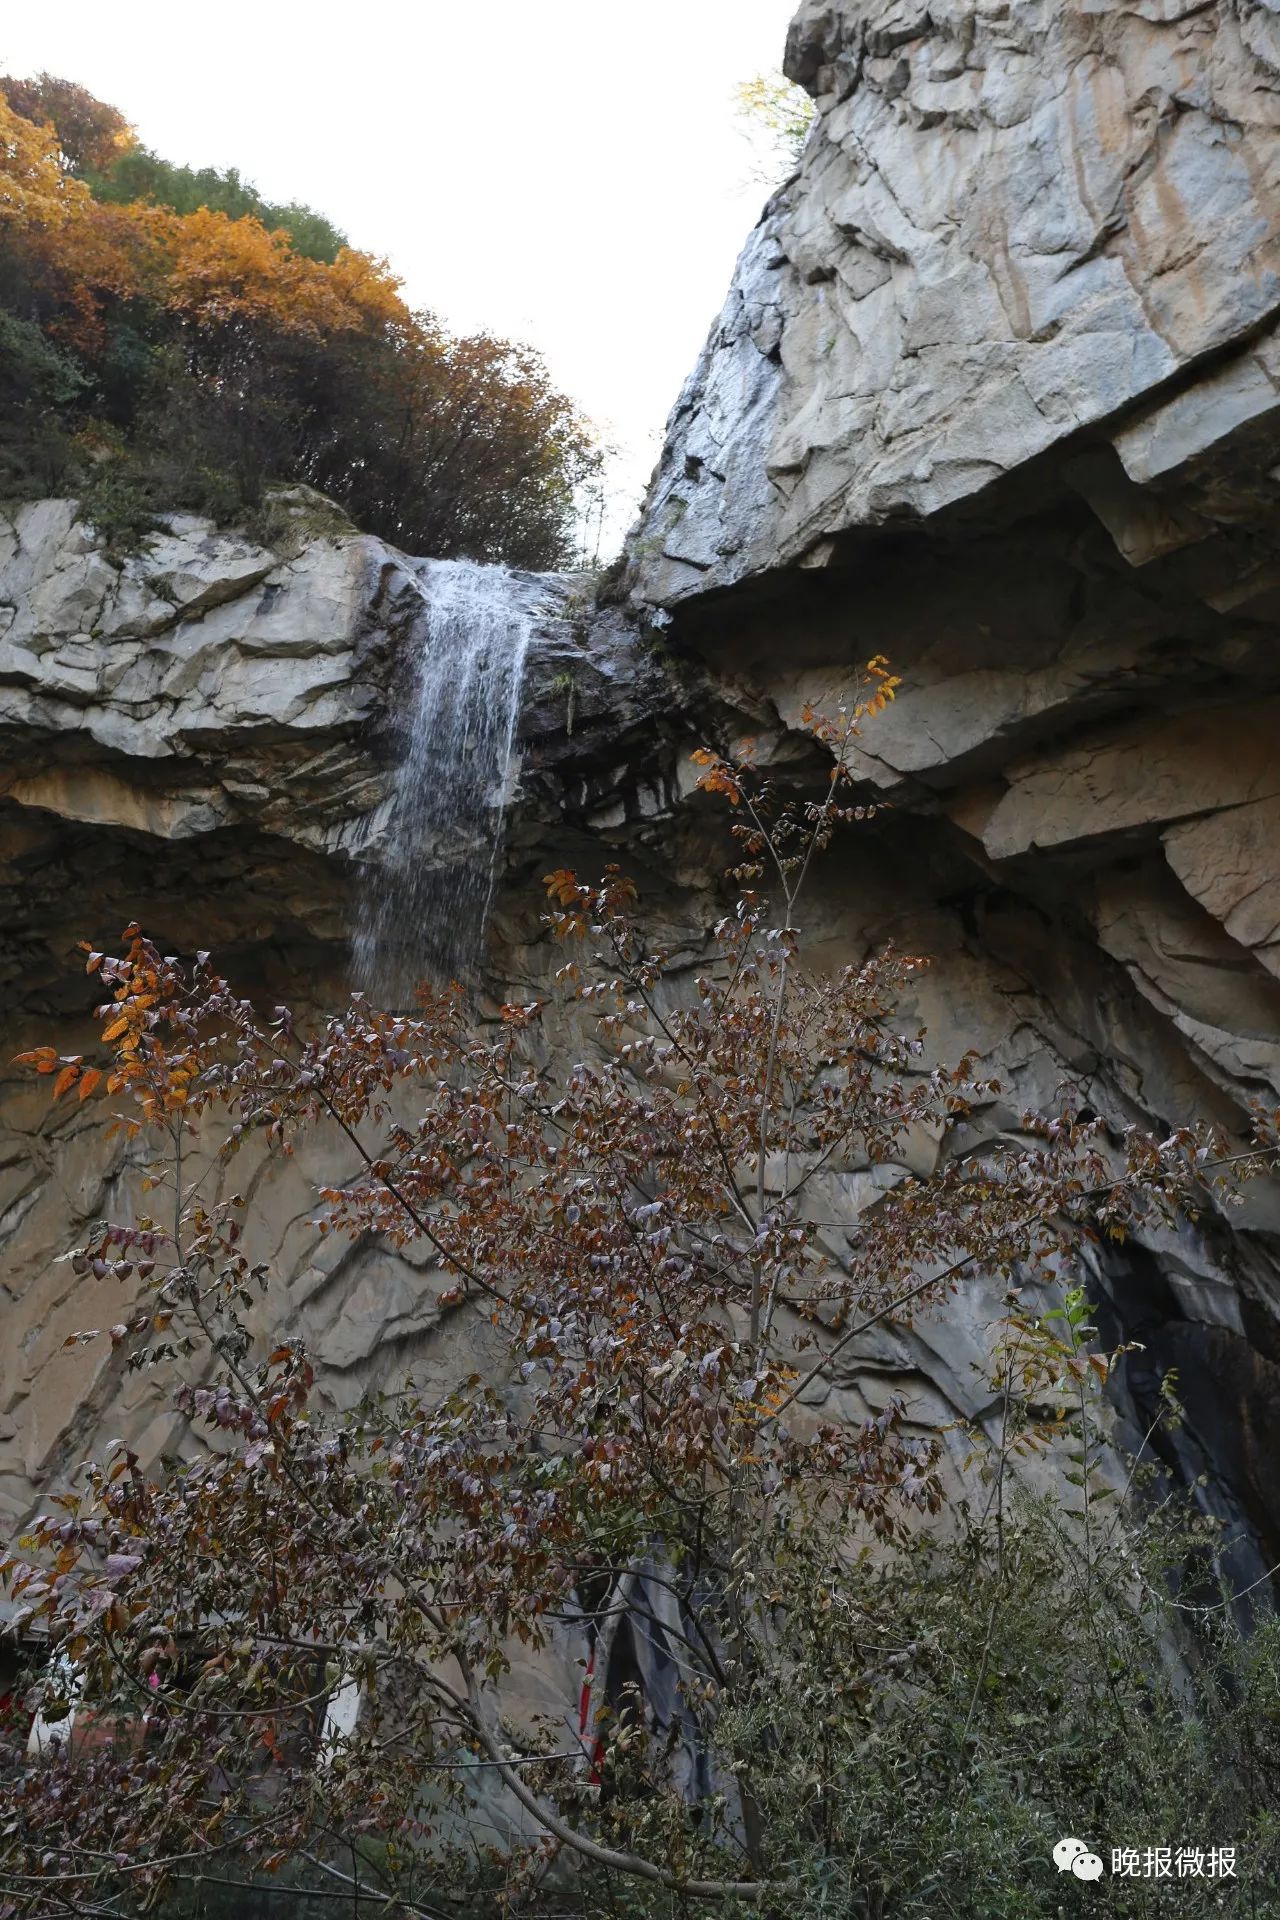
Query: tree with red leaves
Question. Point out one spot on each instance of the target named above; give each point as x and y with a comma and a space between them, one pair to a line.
640, 1222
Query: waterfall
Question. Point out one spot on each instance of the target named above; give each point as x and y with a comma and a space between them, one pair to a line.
430, 886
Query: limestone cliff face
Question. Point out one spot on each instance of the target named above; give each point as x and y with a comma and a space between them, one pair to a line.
995, 393
1017, 230
992, 394
202, 735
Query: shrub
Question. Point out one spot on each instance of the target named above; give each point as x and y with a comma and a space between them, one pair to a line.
810, 1684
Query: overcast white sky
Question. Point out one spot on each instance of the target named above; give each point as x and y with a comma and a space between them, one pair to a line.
567, 172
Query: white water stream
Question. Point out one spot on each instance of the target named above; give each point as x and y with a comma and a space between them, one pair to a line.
429, 891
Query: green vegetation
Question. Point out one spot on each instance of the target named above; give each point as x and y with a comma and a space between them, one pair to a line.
139, 174
906, 1779
170, 339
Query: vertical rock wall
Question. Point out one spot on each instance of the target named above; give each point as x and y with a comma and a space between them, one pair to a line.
993, 393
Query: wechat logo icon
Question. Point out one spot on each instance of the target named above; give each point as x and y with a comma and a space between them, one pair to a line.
1072, 1856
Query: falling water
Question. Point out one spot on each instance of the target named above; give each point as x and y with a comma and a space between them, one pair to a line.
430, 888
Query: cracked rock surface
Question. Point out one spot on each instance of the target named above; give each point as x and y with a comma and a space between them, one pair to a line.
993, 394
1012, 226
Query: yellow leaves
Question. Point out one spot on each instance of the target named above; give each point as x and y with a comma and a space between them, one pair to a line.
884, 687
209, 268
562, 885
777, 1393
35, 193
216, 270
781, 112
370, 287
88, 134
90, 1081
115, 1030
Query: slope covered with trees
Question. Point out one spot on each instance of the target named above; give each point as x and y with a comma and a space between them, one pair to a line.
169, 339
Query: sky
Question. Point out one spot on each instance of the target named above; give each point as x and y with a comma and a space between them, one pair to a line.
571, 173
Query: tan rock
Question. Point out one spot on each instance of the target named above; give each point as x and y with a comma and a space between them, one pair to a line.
1141, 775
1230, 862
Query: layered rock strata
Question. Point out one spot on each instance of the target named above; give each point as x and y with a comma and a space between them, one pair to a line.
1017, 231
993, 394
201, 735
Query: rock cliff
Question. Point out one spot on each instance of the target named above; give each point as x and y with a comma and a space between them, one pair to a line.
994, 393
202, 735
1035, 239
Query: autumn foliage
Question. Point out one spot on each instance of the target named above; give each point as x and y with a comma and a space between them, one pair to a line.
663, 1234
162, 358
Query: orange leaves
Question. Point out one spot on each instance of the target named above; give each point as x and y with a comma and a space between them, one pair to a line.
162, 1074
563, 887
68, 1067
589, 908
617, 892
836, 729
43, 1059
258, 353
719, 777
572, 898
66, 1079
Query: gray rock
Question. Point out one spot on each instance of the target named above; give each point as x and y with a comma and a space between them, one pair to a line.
992, 394
1011, 225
